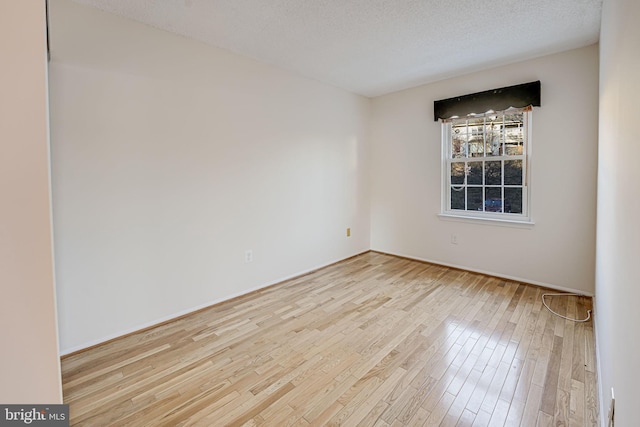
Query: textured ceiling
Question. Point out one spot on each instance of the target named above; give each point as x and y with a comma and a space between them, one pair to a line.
373, 47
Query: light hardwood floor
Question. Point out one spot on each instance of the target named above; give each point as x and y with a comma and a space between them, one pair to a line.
375, 340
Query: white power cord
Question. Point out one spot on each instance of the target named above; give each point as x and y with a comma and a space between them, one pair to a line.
560, 315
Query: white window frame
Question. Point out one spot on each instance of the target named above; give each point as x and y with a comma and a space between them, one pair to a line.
447, 160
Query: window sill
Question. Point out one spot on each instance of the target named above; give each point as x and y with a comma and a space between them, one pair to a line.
503, 222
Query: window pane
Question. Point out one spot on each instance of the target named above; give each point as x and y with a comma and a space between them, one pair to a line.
458, 145
457, 173
476, 137
487, 163
513, 172
513, 199
514, 134
513, 149
476, 146
493, 200
474, 173
457, 197
458, 140
474, 198
493, 173
476, 126
513, 121
494, 136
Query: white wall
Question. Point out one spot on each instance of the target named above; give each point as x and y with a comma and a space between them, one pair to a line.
29, 364
171, 158
559, 250
617, 273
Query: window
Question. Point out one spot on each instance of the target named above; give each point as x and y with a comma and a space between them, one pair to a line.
485, 165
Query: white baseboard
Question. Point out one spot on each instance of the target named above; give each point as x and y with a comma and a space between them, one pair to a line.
301, 273
181, 313
491, 273
603, 408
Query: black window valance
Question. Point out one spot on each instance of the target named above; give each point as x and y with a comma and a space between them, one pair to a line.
517, 96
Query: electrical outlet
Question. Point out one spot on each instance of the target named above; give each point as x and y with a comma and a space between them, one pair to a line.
348, 232
248, 255
454, 239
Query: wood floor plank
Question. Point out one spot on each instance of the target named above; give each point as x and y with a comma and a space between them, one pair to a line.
544, 420
482, 419
591, 400
510, 383
577, 404
374, 414
514, 416
551, 381
561, 415
458, 407
375, 340
374, 399
530, 414
500, 412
